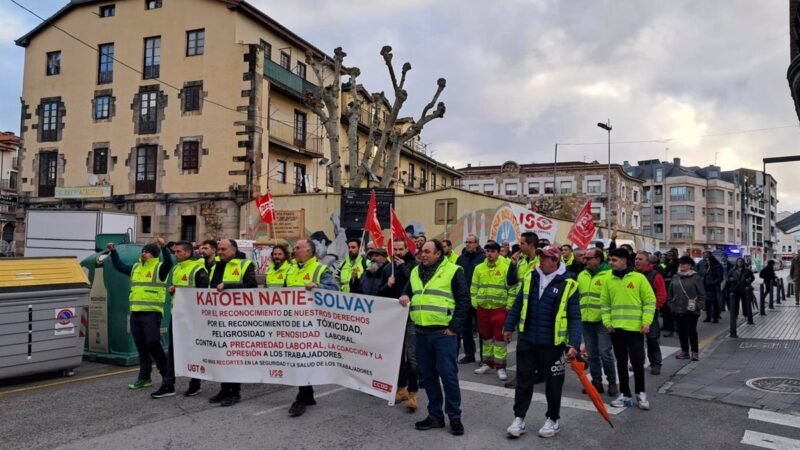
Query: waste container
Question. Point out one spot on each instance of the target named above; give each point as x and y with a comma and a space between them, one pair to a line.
42, 301
109, 337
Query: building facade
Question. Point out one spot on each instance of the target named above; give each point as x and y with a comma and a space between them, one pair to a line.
759, 206
184, 110
575, 182
690, 208
9, 168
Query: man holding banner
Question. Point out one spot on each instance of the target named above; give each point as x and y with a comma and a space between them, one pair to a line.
309, 273
439, 298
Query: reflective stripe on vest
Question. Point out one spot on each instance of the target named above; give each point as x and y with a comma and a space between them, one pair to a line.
148, 293
347, 269
560, 329
183, 274
432, 304
489, 289
276, 277
311, 272
631, 302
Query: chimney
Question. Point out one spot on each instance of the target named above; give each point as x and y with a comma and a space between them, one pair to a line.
676, 161
469, 165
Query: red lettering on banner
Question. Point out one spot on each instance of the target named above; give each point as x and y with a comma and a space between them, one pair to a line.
381, 386
282, 297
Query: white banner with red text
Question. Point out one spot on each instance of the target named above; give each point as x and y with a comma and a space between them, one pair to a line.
289, 336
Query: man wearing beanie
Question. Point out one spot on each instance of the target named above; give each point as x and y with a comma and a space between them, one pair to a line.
147, 296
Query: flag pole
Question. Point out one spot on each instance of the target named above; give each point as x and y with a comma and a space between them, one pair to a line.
391, 236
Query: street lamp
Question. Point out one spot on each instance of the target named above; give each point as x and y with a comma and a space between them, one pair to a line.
607, 126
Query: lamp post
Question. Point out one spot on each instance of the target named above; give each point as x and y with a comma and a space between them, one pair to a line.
607, 126
555, 167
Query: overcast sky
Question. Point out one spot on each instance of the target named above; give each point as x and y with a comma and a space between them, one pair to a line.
523, 75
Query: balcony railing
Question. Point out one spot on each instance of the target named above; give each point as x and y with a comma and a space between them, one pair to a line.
287, 134
288, 79
658, 198
681, 198
681, 236
682, 216
658, 217
9, 184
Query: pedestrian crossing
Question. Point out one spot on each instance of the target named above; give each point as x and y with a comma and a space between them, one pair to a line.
767, 440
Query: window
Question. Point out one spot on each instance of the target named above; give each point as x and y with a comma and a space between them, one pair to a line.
716, 196
147, 225
108, 11
511, 189
659, 175
191, 98
730, 198
189, 228
533, 188
190, 157
411, 174
301, 70
681, 193
623, 195
635, 196
433, 181
105, 66
659, 228
146, 169
100, 161
152, 4
682, 231
300, 122
267, 51
474, 187
422, 178
548, 187
49, 121
596, 213
48, 167
593, 187
148, 112
286, 60
102, 107
565, 187
152, 57
445, 212
681, 212
299, 178
280, 173
195, 42
730, 216
53, 63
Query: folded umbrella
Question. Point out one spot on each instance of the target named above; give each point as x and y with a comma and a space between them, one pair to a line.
577, 365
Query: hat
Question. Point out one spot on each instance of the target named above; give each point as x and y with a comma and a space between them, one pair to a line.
153, 249
551, 251
492, 245
377, 251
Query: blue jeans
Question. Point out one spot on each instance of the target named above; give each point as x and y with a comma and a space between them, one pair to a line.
600, 350
436, 358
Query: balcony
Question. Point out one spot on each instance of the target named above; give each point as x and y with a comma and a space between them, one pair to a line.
289, 81
682, 216
681, 236
287, 135
681, 198
9, 184
658, 198
658, 217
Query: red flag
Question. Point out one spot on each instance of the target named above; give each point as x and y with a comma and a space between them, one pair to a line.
583, 229
266, 208
399, 232
371, 223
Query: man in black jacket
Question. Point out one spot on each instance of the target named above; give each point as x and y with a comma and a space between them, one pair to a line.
711, 271
375, 279
221, 279
407, 381
471, 256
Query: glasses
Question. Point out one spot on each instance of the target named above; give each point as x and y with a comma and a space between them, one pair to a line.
470, 242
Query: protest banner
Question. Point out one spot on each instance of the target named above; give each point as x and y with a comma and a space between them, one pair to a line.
289, 336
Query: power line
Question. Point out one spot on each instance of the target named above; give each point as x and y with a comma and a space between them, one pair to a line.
669, 139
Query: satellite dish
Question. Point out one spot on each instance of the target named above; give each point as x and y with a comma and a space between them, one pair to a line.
92, 179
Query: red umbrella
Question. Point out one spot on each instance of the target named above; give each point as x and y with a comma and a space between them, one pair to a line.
577, 365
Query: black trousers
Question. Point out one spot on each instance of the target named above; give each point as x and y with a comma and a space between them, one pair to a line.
146, 332
687, 331
712, 303
740, 298
466, 333
653, 345
547, 359
305, 395
629, 344
668, 323
194, 381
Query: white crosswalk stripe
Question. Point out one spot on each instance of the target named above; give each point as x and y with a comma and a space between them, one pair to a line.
773, 441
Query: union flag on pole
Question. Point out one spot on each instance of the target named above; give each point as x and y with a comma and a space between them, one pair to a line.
371, 223
399, 232
583, 229
266, 208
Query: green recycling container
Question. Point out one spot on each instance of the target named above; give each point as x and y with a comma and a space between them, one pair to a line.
108, 337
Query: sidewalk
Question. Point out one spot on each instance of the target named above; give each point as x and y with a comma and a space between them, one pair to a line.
760, 369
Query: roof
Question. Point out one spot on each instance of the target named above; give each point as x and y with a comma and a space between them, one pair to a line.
9, 141
539, 167
789, 224
240, 5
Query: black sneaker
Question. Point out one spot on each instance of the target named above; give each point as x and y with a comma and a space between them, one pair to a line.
297, 409
194, 389
467, 360
456, 427
166, 390
230, 400
218, 397
430, 423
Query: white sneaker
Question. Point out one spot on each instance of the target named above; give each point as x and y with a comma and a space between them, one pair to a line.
517, 427
502, 375
623, 401
549, 429
641, 398
483, 369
